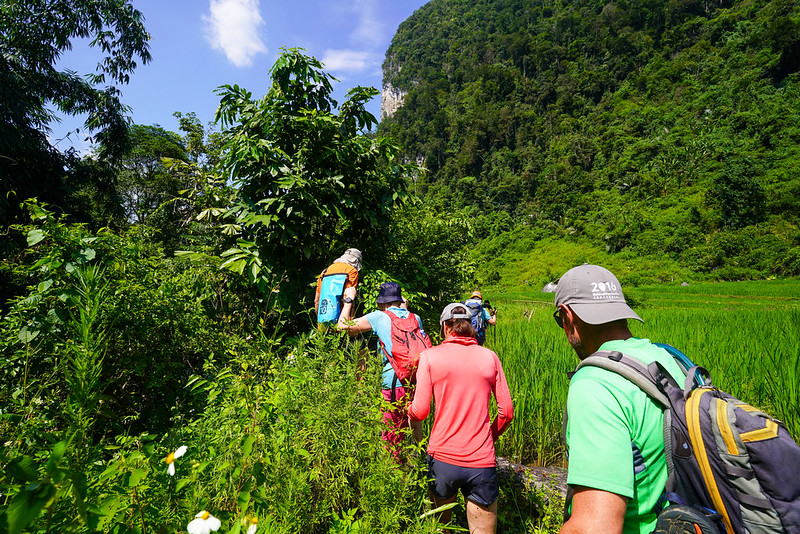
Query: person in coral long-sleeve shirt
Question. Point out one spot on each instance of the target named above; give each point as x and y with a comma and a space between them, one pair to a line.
462, 376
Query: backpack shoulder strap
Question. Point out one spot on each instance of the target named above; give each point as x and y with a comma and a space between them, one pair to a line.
643, 377
629, 368
637, 373
407, 324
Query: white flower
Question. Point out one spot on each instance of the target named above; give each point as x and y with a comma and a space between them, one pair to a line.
171, 459
253, 525
203, 523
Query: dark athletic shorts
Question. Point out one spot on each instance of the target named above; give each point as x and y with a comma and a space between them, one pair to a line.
478, 484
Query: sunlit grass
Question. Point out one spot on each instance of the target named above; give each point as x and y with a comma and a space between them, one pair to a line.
746, 334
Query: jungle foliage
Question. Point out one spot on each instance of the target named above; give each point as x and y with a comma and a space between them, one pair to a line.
660, 129
33, 36
187, 323
156, 293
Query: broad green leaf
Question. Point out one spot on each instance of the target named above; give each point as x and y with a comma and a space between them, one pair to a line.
254, 270
57, 316
44, 286
26, 335
109, 505
136, 476
231, 229
85, 255
26, 506
40, 262
21, 470
230, 252
243, 499
35, 236
247, 445
235, 264
34, 298
55, 457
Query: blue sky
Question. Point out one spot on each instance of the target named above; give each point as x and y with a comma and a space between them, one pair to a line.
198, 45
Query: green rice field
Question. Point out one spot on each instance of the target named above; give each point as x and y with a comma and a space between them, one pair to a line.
746, 333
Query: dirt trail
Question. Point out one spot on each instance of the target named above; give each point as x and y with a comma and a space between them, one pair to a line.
545, 478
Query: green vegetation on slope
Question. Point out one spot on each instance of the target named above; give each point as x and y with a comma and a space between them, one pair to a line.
662, 129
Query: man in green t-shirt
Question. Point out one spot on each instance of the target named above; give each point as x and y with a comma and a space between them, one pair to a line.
615, 443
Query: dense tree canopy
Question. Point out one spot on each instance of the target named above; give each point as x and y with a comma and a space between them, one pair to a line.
33, 36
648, 127
310, 182
144, 181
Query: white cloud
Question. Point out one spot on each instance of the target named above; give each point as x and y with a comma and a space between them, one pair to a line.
233, 27
370, 30
367, 40
348, 60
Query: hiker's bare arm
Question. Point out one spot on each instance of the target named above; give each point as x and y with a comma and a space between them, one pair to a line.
352, 326
349, 292
595, 512
316, 294
492, 319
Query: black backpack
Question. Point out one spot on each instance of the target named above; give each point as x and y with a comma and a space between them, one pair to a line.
725, 458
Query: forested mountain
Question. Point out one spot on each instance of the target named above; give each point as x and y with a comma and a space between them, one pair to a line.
661, 128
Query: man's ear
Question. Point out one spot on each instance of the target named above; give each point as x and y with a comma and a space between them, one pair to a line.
568, 316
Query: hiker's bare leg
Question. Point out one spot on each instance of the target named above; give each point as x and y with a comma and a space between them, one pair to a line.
444, 517
416, 430
481, 519
363, 354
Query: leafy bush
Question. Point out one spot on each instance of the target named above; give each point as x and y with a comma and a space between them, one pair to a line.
156, 319
308, 180
295, 443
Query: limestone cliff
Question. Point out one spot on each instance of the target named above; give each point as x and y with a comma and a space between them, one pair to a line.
391, 99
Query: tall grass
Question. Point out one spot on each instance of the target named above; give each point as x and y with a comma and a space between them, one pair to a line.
745, 334
535, 360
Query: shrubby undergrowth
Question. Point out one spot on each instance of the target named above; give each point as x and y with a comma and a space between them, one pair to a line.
139, 391
116, 358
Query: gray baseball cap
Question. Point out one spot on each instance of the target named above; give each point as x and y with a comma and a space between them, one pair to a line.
448, 313
594, 294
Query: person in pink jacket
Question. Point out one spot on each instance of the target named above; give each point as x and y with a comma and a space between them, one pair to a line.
462, 376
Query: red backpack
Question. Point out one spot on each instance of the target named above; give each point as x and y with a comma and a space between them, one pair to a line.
408, 341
